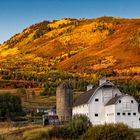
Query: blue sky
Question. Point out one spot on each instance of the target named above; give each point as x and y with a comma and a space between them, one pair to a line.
15, 15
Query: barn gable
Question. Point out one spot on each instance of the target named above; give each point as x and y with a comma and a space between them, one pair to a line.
87, 96
84, 98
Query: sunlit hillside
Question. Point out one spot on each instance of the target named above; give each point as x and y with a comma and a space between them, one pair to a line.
103, 46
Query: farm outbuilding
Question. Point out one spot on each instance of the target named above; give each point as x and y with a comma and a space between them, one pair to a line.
106, 104
64, 102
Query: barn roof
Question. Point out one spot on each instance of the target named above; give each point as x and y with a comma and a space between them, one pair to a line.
64, 85
139, 108
113, 100
84, 98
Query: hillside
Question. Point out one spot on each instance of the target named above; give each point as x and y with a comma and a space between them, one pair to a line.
102, 46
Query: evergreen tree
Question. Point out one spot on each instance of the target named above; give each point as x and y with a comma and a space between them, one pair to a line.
10, 105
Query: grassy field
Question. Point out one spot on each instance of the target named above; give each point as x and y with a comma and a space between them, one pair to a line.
8, 132
29, 90
43, 101
32, 102
137, 133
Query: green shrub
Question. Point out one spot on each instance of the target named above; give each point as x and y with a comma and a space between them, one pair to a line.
10, 106
72, 130
109, 132
76, 127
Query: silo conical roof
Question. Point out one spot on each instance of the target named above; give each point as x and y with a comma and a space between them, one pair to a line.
64, 85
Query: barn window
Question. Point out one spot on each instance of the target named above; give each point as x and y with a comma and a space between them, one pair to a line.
96, 99
131, 101
134, 113
118, 113
96, 115
123, 113
129, 114
119, 101
139, 119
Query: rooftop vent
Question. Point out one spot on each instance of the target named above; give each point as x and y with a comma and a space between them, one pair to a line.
102, 81
89, 87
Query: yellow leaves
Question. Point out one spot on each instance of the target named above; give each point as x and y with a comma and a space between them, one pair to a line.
67, 43
32, 57
22, 33
85, 34
8, 52
110, 59
105, 62
56, 33
71, 35
60, 22
131, 69
29, 57
95, 26
135, 69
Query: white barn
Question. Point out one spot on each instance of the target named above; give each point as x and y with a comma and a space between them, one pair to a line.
106, 104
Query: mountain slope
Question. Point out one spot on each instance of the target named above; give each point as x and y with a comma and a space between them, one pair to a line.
84, 46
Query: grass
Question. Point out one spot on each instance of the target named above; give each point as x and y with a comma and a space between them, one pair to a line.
8, 132
36, 134
37, 100
31, 132
137, 132
7, 128
40, 101
29, 90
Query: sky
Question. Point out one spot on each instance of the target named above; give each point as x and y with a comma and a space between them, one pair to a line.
16, 15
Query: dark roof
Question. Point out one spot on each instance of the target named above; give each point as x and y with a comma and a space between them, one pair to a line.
64, 86
113, 100
139, 108
83, 99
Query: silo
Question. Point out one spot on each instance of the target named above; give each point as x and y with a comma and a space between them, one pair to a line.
64, 102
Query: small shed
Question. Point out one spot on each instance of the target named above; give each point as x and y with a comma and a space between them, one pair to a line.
50, 120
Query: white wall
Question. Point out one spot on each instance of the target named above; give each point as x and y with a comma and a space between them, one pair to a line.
82, 109
109, 92
110, 114
96, 107
127, 107
104, 94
